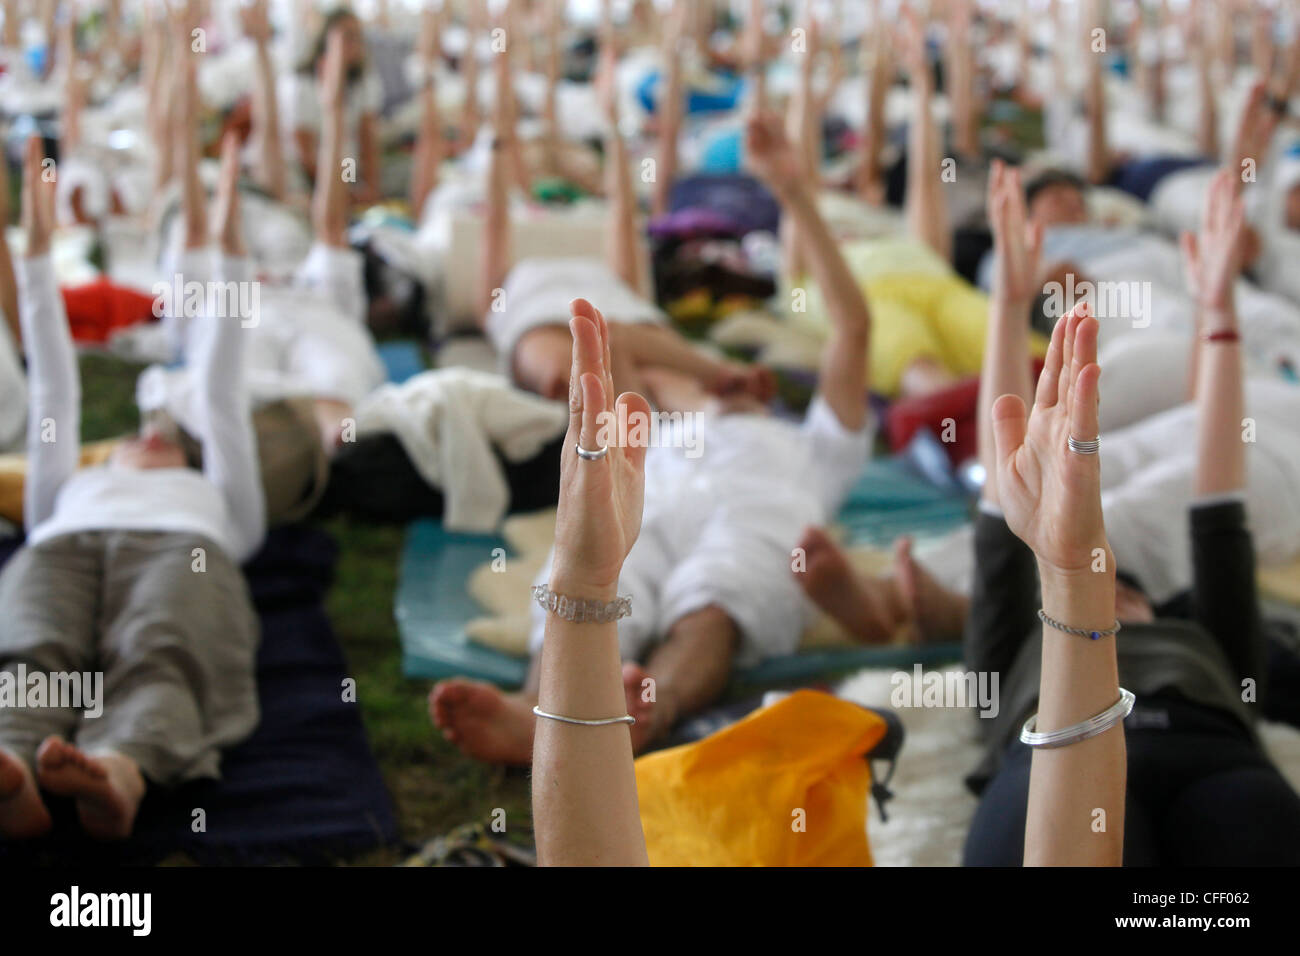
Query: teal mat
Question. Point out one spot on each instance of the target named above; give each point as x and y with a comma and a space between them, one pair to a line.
433, 605
402, 358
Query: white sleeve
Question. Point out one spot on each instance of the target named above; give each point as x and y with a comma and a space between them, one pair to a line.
229, 445
53, 388
338, 273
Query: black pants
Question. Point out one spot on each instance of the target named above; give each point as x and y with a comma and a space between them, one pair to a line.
1200, 793
373, 479
1199, 788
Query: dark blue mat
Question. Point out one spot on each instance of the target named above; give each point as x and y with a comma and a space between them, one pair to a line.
305, 786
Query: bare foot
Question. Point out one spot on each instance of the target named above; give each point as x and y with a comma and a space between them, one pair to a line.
868, 609
937, 613
483, 721
654, 718
108, 788
22, 814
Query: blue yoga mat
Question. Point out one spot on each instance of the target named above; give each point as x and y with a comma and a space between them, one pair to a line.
402, 358
433, 606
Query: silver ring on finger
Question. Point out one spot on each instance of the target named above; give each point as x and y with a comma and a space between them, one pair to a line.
1084, 447
590, 455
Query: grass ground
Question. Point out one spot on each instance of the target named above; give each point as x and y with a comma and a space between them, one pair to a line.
434, 788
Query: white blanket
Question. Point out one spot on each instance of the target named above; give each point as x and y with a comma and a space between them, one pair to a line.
448, 421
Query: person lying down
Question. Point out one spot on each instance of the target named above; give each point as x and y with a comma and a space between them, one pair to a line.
130, 572
710, 576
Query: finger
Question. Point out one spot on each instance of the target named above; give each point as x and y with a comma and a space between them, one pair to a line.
1085, 404
1010, 422
1045, 396
632, 407
581, 307
586, 347
1034, 240
592, 390
1191, 254
1067, 353
1085, 351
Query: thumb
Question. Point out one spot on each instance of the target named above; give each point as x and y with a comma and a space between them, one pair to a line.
1010, 423
637, 409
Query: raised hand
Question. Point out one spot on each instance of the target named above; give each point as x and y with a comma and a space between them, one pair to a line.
37, 215
599, 512
256, 21
1051, 495
769, 154
1212, 259
1017, 246
911, 43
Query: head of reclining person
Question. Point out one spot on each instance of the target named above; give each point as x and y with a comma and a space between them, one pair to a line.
542, 359
154, 447
1056, 198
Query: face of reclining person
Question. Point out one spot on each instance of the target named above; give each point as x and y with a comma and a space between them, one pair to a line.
542, 360
1060, 204
151, 449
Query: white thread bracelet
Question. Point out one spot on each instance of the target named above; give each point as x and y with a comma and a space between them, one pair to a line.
625, 719
1091, 727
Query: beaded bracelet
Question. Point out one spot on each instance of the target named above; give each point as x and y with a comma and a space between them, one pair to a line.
582, 610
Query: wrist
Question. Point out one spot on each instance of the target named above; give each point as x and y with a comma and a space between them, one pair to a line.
575, 584
1218, 318
1080, 597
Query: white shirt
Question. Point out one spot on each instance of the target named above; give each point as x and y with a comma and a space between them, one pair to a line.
224, 502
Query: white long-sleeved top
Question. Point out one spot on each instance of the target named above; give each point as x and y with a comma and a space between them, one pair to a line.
224, 502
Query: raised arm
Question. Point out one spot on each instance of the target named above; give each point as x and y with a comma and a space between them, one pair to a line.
494, 263
53, 384
1006, 350
624, 249
669, 111
1213, 262
1098, 160
8, 281
229, 446
584, 786
266, 107
329, 199
927, 213
843, 377
1051, 497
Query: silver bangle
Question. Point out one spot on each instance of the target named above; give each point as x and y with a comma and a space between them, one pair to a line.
1080, 631
582, 610
625, 719
1091, 727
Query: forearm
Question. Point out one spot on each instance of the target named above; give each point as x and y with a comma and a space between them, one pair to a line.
368, 136
1005, 370
670, 120
496, 230
655, 346
53, 389
584, 785
266, 119
1080, 678
1220, 406
9, 290
925, 218
843, 378
230, 460
328, 197
624, 247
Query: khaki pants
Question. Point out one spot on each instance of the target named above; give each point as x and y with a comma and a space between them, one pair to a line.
176, 646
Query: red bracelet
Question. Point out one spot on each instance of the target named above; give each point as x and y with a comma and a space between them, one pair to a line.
1223, 335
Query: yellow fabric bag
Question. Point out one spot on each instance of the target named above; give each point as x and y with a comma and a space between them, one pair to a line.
786, 786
